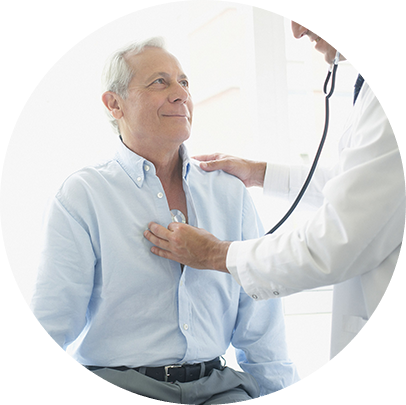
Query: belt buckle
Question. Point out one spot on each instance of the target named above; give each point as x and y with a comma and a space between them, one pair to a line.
167, 368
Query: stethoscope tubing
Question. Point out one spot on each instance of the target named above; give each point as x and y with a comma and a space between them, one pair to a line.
331, 74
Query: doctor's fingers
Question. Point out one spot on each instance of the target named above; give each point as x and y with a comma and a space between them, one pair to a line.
229, 164
168, 244
212, 156
157, 234
159, 230
164, 237
250, 172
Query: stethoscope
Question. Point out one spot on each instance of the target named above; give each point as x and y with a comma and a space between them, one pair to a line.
331, 74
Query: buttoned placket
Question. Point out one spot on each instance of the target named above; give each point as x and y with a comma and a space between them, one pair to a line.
184, 299
184, 314
145, 176
158, 193
162, 207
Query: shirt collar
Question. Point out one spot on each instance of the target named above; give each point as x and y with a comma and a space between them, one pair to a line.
137, 167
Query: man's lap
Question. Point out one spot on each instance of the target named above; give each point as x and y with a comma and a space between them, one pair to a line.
228, 397
220, 387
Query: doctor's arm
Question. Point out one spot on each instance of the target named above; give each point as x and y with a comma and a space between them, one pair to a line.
277, 180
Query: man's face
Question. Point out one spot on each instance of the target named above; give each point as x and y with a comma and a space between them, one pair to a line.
322, 46
158, 107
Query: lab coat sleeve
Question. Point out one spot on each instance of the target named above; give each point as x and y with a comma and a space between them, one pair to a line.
65, 276
359, 224
259, 334
285, 181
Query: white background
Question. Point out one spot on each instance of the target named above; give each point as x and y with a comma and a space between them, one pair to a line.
36, 36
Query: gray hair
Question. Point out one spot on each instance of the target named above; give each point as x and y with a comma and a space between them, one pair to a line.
117, 74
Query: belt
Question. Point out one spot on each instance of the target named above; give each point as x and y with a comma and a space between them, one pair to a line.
175, 372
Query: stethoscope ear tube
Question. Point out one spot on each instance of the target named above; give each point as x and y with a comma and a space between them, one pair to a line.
331, 73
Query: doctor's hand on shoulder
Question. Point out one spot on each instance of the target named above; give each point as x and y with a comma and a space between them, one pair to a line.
251, 173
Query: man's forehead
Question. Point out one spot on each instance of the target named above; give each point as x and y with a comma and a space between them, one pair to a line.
152, 60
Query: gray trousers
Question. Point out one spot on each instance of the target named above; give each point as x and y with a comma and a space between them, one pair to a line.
220, 387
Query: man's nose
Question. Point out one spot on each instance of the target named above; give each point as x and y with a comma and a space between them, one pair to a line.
298, 30
179, 94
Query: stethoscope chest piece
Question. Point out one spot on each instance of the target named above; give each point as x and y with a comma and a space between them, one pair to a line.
178, 216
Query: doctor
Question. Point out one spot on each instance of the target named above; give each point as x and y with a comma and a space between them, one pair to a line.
352, 241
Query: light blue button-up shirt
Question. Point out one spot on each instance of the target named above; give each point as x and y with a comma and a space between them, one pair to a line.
105, 297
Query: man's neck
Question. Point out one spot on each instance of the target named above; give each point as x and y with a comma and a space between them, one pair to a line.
169, 170
167, 162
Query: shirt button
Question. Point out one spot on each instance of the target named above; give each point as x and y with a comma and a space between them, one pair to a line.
146, 168
276, 293
185, 326
255, 297
139, 179
160, 195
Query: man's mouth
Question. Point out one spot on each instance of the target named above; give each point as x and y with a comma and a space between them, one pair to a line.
175, 115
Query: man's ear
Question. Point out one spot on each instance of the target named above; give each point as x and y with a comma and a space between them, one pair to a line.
111, 101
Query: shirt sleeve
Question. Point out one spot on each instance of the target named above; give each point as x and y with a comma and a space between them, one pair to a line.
65, 276
259, 334
359, 224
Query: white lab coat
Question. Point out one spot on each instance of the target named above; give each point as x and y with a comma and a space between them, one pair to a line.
354, 238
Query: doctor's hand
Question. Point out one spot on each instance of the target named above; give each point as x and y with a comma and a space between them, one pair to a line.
251, 173
188, 245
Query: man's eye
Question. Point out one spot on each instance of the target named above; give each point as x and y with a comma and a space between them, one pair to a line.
184, 83
159, 81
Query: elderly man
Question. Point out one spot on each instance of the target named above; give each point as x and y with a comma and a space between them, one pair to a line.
146, 324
